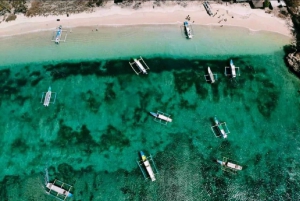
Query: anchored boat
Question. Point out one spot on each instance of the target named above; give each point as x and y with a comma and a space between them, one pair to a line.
220, 127
47, 97
142, 68
232, 66
58, 189
146, 162
234, 71
210, 77
188, 30
226, 165
161, 116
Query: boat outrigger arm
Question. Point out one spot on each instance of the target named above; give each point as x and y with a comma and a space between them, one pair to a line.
161, 117
146, 163
229, 166
221, 128
235, 71
141, 67
210, 77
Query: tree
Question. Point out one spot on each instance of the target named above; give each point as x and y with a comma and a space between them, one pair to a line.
267, 4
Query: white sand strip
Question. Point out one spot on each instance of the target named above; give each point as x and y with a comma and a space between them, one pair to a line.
168, 13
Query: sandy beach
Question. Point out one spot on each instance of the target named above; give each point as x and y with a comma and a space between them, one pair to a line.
240, 15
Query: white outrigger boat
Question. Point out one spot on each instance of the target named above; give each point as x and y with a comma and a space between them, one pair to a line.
58, 34
59, 189
212, 77
222, 128
188, 30
47, 97
235, 71
146, 162
139, 65
161, 117
229, 166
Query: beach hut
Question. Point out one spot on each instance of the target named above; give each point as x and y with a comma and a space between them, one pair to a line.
258, 3
240, 1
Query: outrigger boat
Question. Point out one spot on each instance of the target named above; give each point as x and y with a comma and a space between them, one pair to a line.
235, 71
188, 30
58, 190
58, 34
139, 65
207, 7
161, 117
226, 165
222, 128
232, 66
212, 77
47, 97
146, 162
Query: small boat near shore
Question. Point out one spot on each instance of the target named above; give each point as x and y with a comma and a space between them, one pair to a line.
220, 129
141, 68
207, 7
59, 189
232, 66
234, 71
148, 166
187, 29
47, 97
146, 163
161, 116
58, 34
210, 77
226, 165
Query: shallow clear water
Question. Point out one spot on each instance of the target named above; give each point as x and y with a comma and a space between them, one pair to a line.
91, 135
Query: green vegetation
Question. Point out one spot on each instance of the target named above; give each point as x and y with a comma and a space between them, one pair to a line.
266, 4
293, 10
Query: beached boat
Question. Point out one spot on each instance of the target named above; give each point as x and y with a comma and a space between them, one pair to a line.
187, 30
232, 66
229, 165
147, 165
47, 97
207, 7
220, 127
160, 115
58, 34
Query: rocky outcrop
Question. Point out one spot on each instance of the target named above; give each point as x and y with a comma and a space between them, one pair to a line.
293, 60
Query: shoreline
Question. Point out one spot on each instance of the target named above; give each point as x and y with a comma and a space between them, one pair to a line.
168, 13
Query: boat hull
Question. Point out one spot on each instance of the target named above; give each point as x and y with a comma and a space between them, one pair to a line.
147, 166
212, 79
232, 66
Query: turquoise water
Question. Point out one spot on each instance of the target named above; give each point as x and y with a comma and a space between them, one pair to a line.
91, 135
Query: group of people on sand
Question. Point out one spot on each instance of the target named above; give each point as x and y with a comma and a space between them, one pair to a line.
225, 19
189, 18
